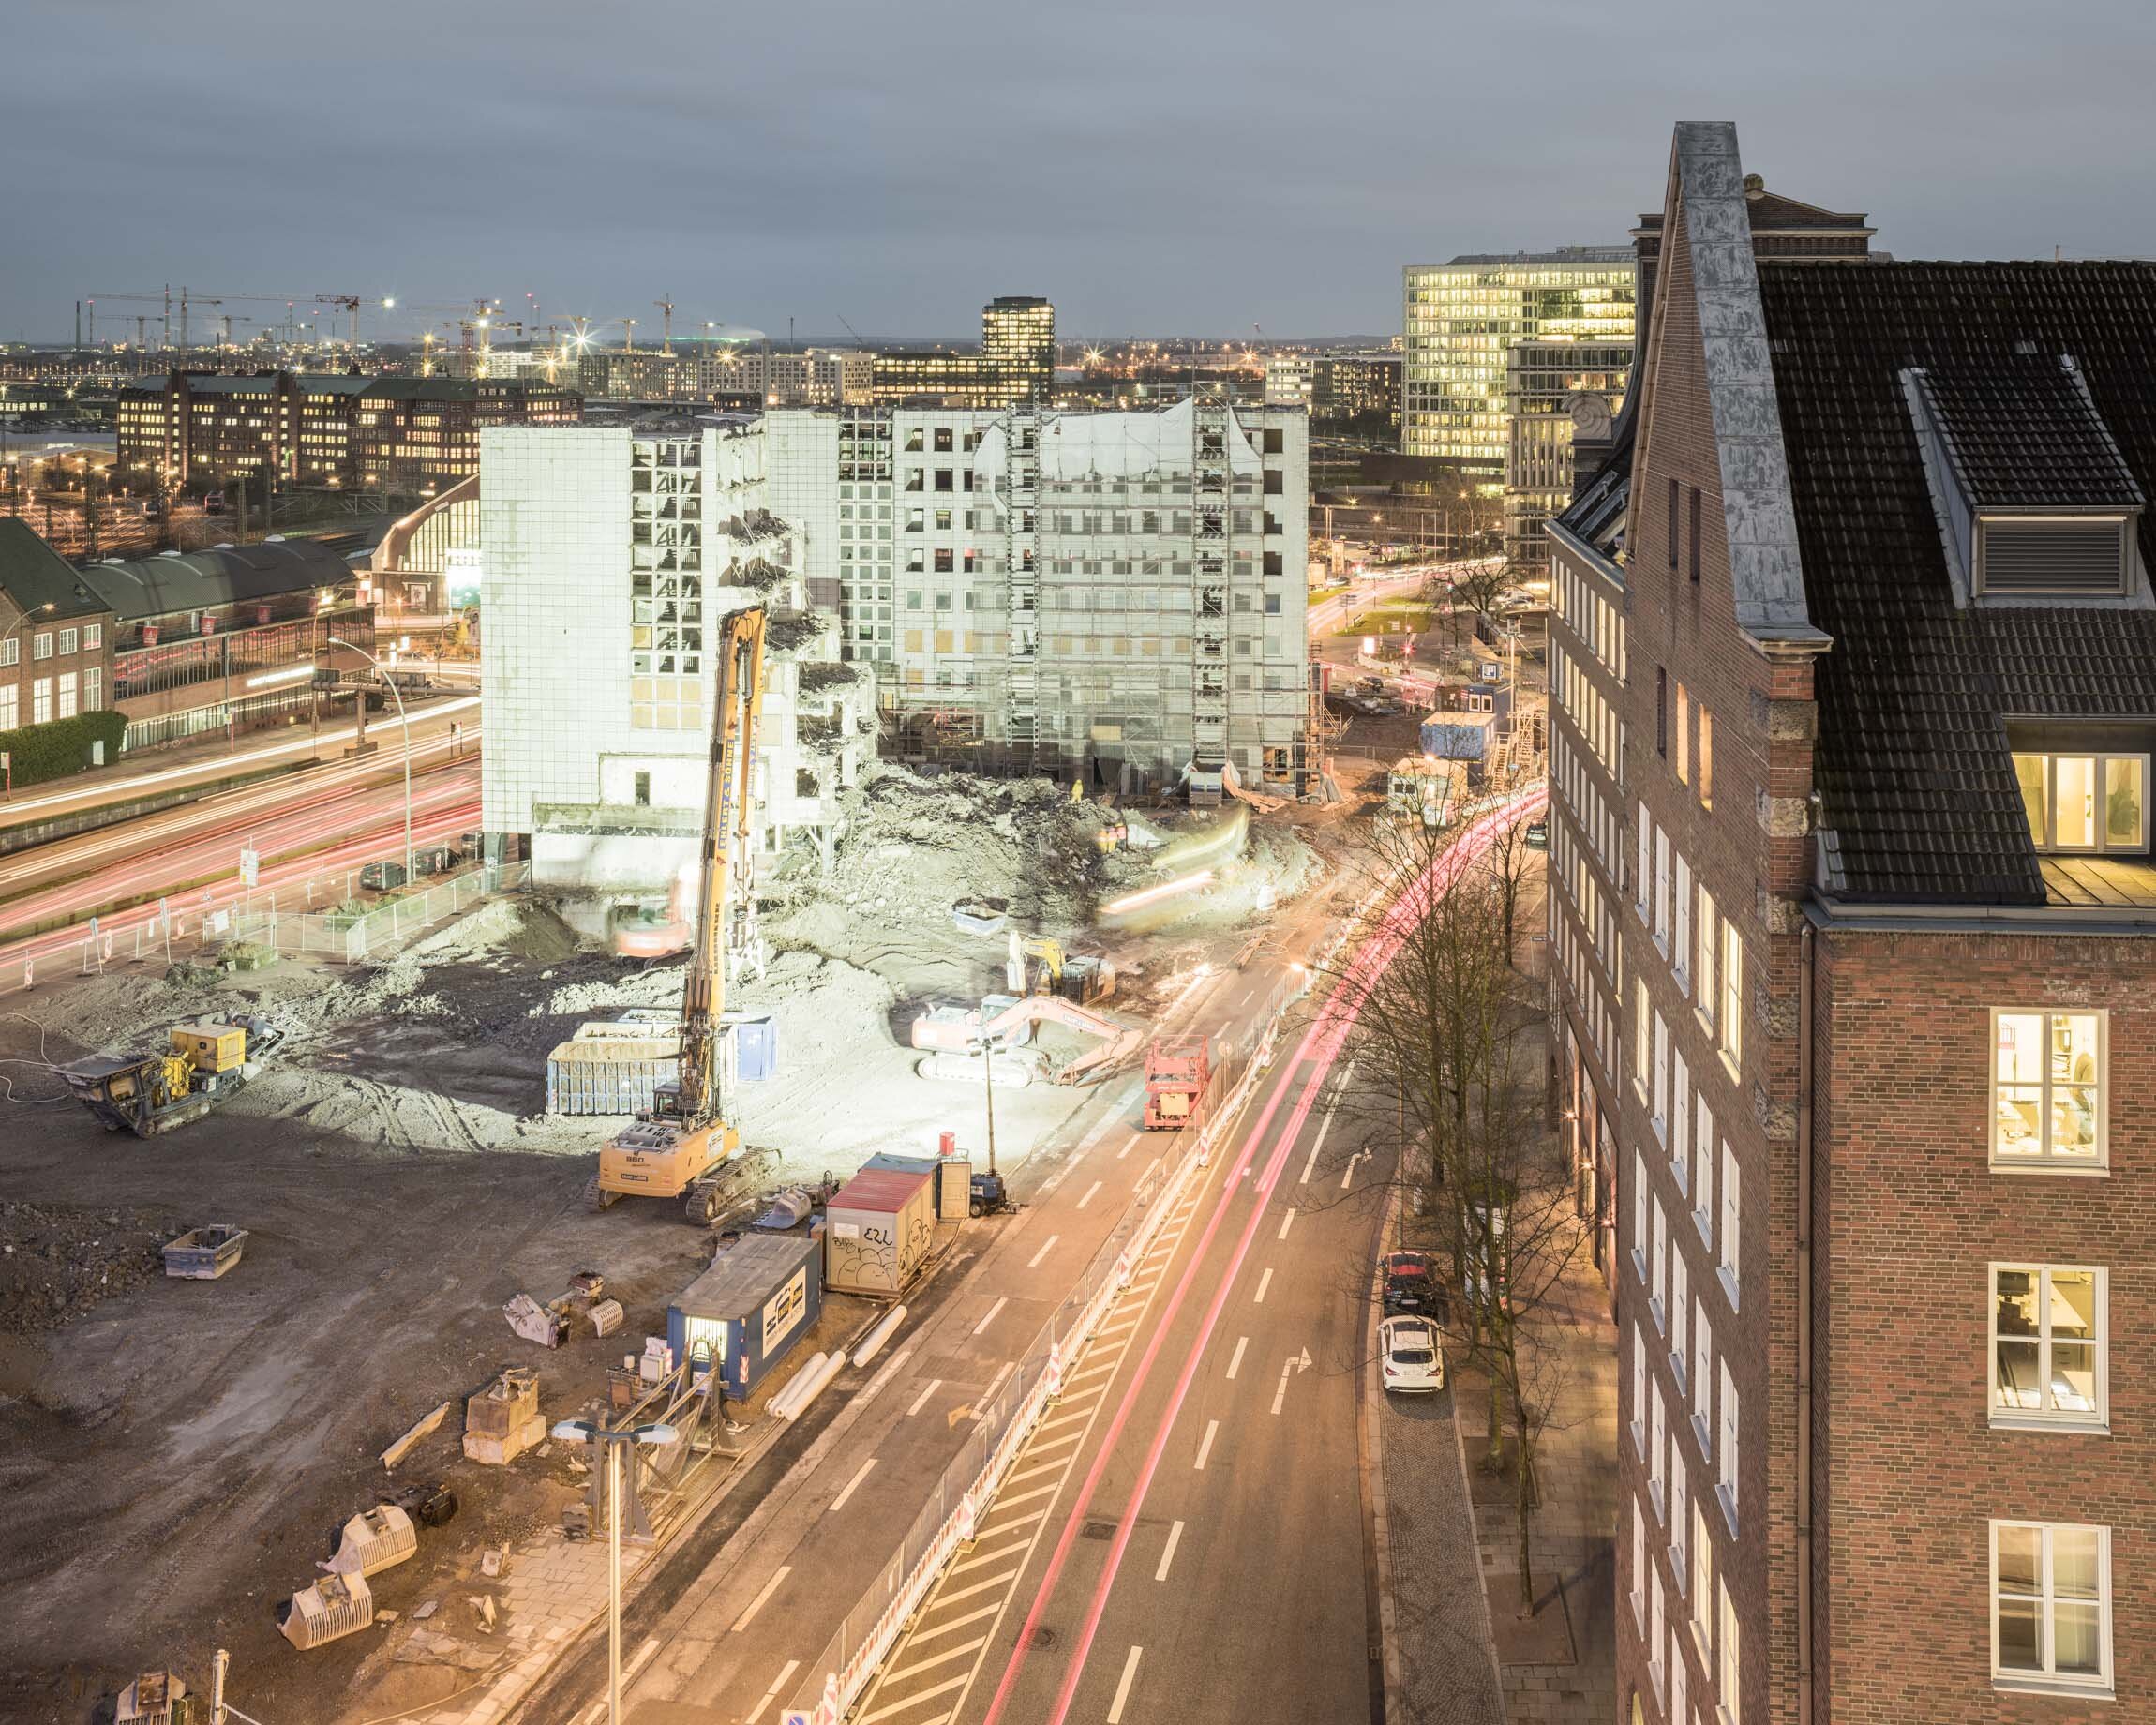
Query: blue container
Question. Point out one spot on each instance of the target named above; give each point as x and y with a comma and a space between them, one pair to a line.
756, 1046
740, 1317
1457, 736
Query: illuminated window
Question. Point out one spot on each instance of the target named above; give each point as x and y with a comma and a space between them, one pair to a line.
2084, 802
2047, 1089
2048, 1345
2050, 1605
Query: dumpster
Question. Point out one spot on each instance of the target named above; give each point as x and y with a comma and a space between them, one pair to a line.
204, 1254
761, 1295
877, 1228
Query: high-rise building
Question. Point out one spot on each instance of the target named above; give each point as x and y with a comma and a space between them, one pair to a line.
1460, 319
1562, 397
1853, 928
1015, 366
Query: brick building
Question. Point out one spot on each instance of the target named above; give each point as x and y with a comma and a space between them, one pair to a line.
1883, 702
56, 635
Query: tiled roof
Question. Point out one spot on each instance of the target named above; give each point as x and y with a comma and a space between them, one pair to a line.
2023, 433
33, 573
1912, 766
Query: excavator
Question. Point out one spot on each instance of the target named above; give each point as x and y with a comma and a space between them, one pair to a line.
952, 1030
683, 1147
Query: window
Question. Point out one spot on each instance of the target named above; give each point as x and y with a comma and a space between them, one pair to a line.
1680, 1506
1695, 535
1681, 946
41, 701
1702, 1379
2047, 1089
1680, 1109
93, 636
1658, 1306
1643, 1049
1706, 758
1703, 1171
1661, 712
1662, 891
1640, 879
1702, 1589
93, 689
2084, 802
10, 709
1657, 1642
1684, 725
1680, 1303
1661, 1102
1729, 1218
1673, 523
69, 639
1638, 1390
2050, 1605
1658, 1448
642, 790
1638, 1568
2048, 1345
1639, 1214
67, 688
1703, 990
1732, 1016
11, 651
41, 645
2079, 557
1729, 1666
1725, 1447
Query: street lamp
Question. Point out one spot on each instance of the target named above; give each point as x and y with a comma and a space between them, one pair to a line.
613, 1440
404, 719
990, 1045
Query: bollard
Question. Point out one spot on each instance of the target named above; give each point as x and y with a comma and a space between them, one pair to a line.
29, 974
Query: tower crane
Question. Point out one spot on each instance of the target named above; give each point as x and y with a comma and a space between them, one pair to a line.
665, 324
681, 1147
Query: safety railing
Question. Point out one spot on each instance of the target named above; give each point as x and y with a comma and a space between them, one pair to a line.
963, 1495
351, 937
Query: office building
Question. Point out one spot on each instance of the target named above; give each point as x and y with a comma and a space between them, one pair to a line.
1460, 318
1016, 363
730, 375
1860, 622
1561, 398
610, 557
1117, 592
322, 429
1356, 391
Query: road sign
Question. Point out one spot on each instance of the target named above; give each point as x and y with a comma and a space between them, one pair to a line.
250, 865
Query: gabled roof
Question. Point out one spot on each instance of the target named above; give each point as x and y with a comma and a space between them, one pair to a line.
160, 586
33, 575
1912, 767
2022, 432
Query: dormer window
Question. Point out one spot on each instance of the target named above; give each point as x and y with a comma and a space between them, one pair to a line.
2084, 803
2035, 503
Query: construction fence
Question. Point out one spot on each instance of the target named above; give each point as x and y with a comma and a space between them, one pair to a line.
1007, 1416
353, 935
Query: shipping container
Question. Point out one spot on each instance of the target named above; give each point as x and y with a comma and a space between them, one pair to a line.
1458, 736
878, 1227
762, 1294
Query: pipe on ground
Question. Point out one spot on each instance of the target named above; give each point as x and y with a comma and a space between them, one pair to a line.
813, 1384
781, 1404
871, 1343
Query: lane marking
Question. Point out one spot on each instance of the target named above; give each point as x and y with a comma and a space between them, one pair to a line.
1347, 1173
838, 1503
1123, 1689
921, 1665
1088, 1197
877, 1383
1264, 1282
995, 1384
956, 1623
756, 1604
994, 1581
1280, 1389
1168, 1557
643, 1658
778, 1682
1047, 1246
1054, 1443
914, 1701
1026, 1497
1236, 1364
1136, 1139
1286, 1221
1311, 1166
1027, 1473
921, 1401
1106, 1365
1206, 1449
991, 1318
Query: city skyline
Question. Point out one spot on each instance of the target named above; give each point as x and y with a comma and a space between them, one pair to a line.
784, 176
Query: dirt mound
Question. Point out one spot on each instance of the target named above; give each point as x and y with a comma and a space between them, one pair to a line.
526, 928
57, 1261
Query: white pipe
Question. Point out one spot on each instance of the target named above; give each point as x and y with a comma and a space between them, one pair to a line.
871, 1343
780, 1402
812, 1385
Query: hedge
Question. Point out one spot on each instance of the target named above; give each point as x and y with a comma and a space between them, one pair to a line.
39, 752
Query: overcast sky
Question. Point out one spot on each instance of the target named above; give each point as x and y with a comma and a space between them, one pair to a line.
1181, 166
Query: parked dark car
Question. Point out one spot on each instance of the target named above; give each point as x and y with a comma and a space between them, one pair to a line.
382, 876
1412, 1285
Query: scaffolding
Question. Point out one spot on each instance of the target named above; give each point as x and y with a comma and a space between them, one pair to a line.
1211, 546
1022, 583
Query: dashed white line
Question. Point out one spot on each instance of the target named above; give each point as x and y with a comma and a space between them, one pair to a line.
1264, 1282
1136, 1138
995, 1384
1286, 1221
921, 1401
838, 1503
1280, 1389
756, 1604
1236, 1364
1168, 1555
1047, 1246
1318, 1143
1123, 1689
991, 1318
778, 1682
1088, 1197
1206, 1447
643, 1658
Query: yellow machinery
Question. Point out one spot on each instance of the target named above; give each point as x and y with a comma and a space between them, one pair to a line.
1042, 947
677, 1148
202, 1064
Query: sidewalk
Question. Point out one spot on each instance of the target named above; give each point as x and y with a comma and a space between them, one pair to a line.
1560, 1664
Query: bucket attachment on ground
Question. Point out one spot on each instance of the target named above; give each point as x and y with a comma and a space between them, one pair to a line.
334, 1607
374, 1539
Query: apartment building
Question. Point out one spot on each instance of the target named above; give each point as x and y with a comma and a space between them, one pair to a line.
1561, 398
610, 557
56, 635
1460, 318
729, 373
1016, 363
1115, 594
1878, 573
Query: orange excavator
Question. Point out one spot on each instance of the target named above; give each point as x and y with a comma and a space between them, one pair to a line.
682, 1147
954, 1030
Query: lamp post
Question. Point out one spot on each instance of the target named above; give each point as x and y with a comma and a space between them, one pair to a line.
989, 1047
404, 719
613, 1441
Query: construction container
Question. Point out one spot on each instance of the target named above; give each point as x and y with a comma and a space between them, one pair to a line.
756, 1045
613, 1066
502, 1421
204, 1254
762, 1294
334, 1607
155, 1697
953, 1188
1458, 736
877, 1228
211, 1047
374, 1539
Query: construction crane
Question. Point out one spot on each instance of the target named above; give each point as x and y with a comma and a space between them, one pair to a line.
855, 333
665, 324
682, 1147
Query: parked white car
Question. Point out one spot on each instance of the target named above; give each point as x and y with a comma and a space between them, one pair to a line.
1412, 1357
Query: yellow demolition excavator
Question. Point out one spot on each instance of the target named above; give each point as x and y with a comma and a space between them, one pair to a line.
684, 1147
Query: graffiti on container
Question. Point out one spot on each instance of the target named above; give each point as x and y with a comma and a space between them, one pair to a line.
868, 1255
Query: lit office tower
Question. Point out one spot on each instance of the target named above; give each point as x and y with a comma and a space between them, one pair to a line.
1018, 335
1015, 366
1562, 397
1460, 318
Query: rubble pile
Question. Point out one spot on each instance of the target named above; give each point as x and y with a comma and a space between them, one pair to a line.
57, 1261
